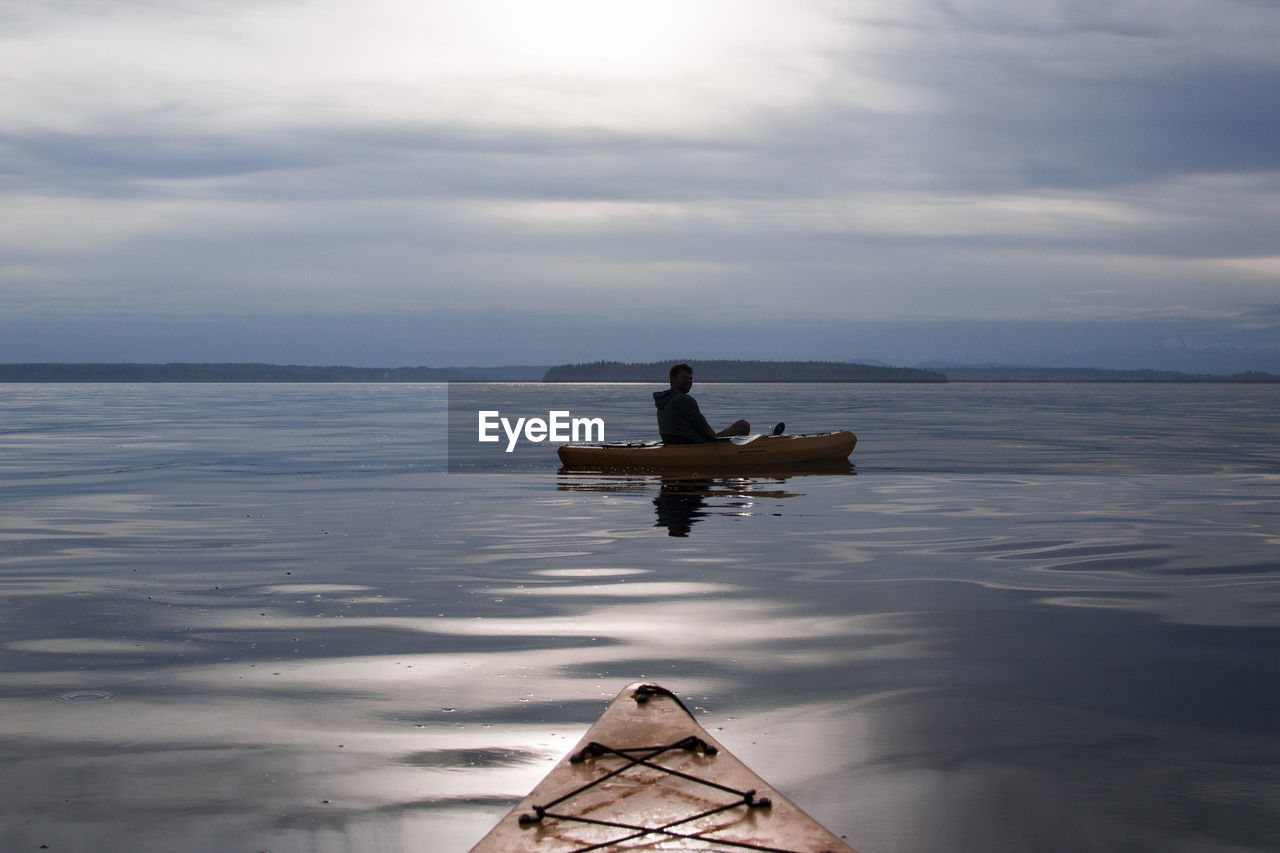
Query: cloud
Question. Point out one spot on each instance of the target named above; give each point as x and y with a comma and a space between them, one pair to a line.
898, 161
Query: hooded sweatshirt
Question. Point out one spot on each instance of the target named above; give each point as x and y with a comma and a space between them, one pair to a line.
680, 421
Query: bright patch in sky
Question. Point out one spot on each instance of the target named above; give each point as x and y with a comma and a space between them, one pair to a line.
595, 37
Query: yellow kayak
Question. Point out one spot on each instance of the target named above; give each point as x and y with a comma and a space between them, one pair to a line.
646, 776
748, 451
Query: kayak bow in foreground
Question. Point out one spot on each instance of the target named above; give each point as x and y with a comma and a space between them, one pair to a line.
647, 776
746, 451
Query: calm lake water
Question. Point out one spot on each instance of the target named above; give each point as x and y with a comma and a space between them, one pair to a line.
266, 617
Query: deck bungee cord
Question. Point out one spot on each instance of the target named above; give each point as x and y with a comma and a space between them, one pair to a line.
645, 756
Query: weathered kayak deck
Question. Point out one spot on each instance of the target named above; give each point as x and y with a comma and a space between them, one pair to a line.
746, 451
647, 776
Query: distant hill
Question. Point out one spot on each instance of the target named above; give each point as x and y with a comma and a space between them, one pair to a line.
183, 372
1091, 374
740, 371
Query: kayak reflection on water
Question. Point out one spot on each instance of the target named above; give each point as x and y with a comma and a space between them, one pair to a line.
682, 500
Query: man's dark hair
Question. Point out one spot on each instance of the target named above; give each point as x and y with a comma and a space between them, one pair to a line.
679, 368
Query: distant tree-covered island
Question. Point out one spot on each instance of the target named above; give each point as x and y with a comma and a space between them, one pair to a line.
740, 371
834, 371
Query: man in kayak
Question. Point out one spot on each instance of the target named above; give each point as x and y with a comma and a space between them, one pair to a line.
680, 421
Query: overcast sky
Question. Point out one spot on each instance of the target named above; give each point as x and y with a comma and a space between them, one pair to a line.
1092, 182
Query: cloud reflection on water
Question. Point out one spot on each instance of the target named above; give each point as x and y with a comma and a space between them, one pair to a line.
922, 661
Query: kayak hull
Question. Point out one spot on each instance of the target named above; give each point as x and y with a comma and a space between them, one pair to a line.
754, 451
647, 776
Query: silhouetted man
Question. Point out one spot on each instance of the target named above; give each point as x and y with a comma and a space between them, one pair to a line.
680, 421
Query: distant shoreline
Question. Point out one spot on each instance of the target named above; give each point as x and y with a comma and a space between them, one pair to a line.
647, 372
1091, 374
255, 372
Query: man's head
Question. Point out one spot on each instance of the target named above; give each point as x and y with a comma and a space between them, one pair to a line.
681, 377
